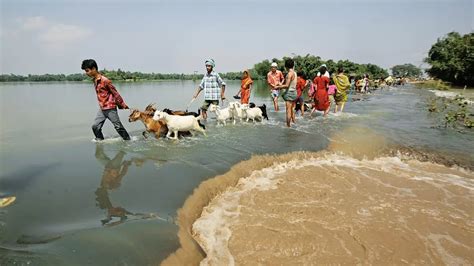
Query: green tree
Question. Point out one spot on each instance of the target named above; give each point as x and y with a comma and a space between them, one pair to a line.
309, 66
452, 59
262, 68
406, 70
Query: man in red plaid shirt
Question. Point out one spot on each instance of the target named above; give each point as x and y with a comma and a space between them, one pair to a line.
109, 99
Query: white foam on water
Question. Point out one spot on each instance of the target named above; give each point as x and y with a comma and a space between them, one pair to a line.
342, 115
115, 140
213, 229
449, 95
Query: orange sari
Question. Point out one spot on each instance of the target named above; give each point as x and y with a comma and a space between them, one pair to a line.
245, 88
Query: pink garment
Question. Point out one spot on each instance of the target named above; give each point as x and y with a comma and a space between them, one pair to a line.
332, 89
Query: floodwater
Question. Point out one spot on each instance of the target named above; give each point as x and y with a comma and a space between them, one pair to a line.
361, 186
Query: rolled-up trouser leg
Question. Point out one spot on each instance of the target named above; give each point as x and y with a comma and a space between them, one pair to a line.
112, 115
98, 123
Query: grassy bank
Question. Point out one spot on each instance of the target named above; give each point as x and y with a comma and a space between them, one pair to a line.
437, 84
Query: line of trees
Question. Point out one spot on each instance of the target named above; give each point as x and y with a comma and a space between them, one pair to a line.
406, 71
452, 59
116, 75
308, 65
45, 77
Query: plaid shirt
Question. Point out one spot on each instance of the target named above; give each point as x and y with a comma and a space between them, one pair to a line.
107, 95
211, 84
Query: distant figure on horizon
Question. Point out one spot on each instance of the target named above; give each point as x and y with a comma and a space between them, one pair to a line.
274, 79
213, 86
109, 99
288, 91
366, 83
342, 84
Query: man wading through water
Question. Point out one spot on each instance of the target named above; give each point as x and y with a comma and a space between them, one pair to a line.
213, 86
109, 99
274, 79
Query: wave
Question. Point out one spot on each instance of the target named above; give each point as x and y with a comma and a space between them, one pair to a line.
334, 206
306, 189
115, 140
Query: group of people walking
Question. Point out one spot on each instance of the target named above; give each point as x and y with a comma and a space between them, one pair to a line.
323, 90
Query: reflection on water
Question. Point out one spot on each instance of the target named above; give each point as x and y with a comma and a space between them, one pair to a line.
114, 170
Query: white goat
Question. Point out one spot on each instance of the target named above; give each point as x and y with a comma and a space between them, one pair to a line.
252, 113
178, 123
221, 114
237, 112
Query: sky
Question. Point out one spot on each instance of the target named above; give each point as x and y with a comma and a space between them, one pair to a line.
54, 36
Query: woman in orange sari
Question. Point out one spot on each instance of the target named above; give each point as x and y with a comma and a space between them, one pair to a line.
245, 87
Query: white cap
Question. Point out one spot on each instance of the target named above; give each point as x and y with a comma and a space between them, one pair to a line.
274, 64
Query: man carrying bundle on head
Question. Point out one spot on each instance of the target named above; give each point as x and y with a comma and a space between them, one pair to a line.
213, 86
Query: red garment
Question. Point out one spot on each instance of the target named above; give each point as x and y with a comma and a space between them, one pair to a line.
244, 96
321, 99
245, 88
300, 83
107, 95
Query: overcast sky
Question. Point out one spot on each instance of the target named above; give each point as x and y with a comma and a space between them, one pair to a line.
54, 36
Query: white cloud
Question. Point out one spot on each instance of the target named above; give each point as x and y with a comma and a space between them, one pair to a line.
60, 35
33, 23
47, 34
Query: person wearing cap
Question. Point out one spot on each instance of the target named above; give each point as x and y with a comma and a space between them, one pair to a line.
213, 86
274, 79
326, 74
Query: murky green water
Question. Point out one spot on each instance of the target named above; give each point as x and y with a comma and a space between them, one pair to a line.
112, 203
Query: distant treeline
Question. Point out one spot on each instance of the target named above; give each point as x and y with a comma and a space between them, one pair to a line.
307, 65
115, 75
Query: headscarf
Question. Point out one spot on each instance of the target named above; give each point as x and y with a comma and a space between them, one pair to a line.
210, 62
246, 81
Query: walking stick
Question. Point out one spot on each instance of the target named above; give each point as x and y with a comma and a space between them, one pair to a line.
189, 104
